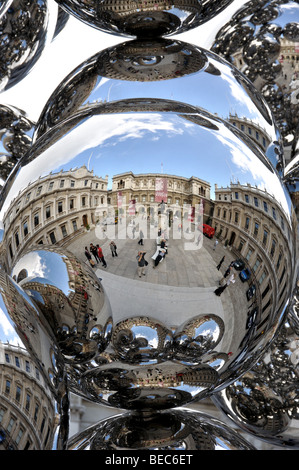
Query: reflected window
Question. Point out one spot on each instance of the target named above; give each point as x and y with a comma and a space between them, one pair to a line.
51, 184
264, 274
2, 413
224, 214
27, 199
61, 185
10, 425
83, 201
85, 182
25, 228
19, 436
72, 184
27, 366
36, 412
52, 237
75, 227
236, 195
17, 239
265, 237
273, 248
60, 207
36, 220
10, 251
274, 213
71, 203
265, 206
265, 292
48, 212
7, 358
18, 393
236, 217
17, 361
64, 231
28, 400
7, 387
247, 199
257, 136
42, 425
282, 223
39, 190
256, 264
256, 228
256, 201
249, 130
249, 253
247, 221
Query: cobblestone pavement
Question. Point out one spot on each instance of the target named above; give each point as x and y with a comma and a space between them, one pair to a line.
180, 287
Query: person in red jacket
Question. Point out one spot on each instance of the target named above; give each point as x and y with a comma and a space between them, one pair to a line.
101, 256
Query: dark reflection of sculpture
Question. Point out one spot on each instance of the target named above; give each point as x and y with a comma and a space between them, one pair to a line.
260, 40
16, 137
144, 19
25, 31
264, 401
32, 417
167, 69
171, 430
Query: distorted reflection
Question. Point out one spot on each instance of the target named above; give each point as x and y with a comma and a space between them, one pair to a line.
26, 29
15, 138
71, 299
170, 430
166, 69
34, 399
261, 41
264, 401
144, 19
202, 263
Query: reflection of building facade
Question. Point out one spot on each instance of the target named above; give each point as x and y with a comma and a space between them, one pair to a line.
142, 189
251, 222
52, 209
252, 130
26, 410
124, 9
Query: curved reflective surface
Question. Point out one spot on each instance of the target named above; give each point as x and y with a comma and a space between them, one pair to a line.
71, 298
16, 138
172, 70
261, 40
144, 19
264, 401
204, 233
34, 398
26, 29
171, 430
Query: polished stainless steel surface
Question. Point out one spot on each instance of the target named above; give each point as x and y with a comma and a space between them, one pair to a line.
144, 19
261, 40
114, 151
16, 131
167, 69
264, 401
181, 430
26, 28
33, 385
149, 230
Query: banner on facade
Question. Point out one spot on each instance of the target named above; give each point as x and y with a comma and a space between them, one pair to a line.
132, 208
119, 199
161, 190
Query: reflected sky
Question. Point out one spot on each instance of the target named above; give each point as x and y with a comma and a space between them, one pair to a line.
111, 144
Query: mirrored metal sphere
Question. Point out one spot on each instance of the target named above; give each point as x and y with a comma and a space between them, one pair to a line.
25, 30
169, 430
264, 401
33, 386
192, 225
261, 41
144, 19
71, 298
16, 132
172, 70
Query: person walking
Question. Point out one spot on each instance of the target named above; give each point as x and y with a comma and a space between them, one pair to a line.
94, 251
141, 236
101, 256
220, 289
113, 248
220, 263
141, 263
